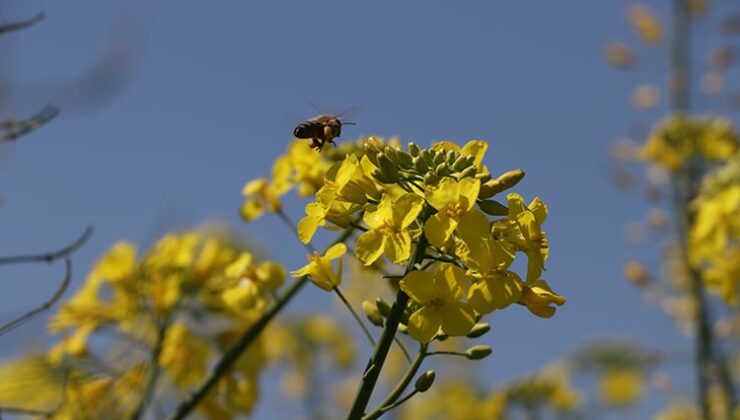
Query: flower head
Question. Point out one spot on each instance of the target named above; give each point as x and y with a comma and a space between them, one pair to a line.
320, 270
389, 231
452, 199
439, 292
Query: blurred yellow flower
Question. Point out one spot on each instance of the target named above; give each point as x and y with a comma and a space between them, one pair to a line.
320, 270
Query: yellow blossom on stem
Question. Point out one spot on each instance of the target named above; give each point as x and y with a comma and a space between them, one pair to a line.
320, 270
184, 355
532, 241
538, 297
452, 199
488, 259
389, 229
439, 292
261, 196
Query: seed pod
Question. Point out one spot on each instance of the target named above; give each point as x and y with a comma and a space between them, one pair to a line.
442, 169
413, 149
493, 207
372, 313
388, 167
424, 381
383, 307
477, 331
431, 179
500, 184
469, 172
420, 165
478, 352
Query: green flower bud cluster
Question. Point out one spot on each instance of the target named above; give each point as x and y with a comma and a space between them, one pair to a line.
417, 164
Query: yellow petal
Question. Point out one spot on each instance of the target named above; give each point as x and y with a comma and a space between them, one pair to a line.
417, 284
424, 324
369, 246
476, 148
473, 228
446, 193
454, 279
336, 251
398, 246
307, 228
438, 228
469, 188
250, 210
406, 208
382, 213
457, 319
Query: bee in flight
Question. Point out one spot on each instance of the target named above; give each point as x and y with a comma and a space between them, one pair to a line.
320, 130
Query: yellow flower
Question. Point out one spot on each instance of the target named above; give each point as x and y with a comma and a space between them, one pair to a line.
389, 229
439, 292
184, 355
452, 199
532, 241
495, 287
261, 196
320, 270
538, 297
620, 387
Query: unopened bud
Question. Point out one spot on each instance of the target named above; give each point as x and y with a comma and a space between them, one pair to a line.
459, 164
383, 307
478, 352
442, 169
478, 330
404, 159
388, 167
380, 176
493, 207
450, 157
438, 157
431, 179
372, 313
420, 165
425, 381
413, 149
469, 172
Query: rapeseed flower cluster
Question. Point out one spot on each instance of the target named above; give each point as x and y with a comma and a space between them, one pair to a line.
429, 209
162, 318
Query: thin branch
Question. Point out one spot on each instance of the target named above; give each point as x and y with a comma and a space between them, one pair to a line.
401, 387
51, 256
18, 128
151, 386
44, 306
22, 24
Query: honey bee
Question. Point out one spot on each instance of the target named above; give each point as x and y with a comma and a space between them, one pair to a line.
320, 130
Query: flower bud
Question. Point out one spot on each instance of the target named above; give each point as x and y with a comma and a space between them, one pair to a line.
450, 157
442, 169
431, 179
438, 157
380, 176
478, 329
420, 165
459, 164
493, 207
484, 177
404, 159
391, 153
372, 313
388, 167
428, 156
478, 352
403, 329
469, 172
424, 381
413, 149
383, 307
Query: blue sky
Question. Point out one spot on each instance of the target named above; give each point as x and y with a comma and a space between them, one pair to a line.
219, 86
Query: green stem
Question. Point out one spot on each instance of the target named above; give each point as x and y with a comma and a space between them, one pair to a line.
151, 386
284, 217
401, 387
449, 353
355, 315
375, 364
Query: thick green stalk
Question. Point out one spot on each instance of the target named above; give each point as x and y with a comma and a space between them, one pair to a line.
375, 364
401, 387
